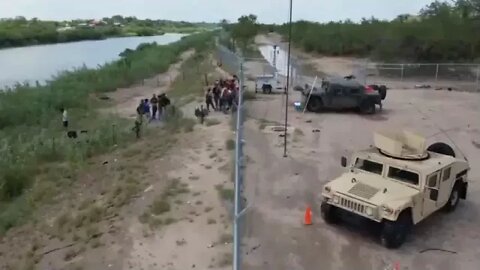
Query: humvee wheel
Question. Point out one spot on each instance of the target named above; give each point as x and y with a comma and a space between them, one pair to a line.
453, 199
394, 233
367, 107
382, 90
267, 89
329, 213
315, 104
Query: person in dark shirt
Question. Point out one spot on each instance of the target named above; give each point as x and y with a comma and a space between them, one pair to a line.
163, 102
154, 102
141, 108
209, 99
216, 96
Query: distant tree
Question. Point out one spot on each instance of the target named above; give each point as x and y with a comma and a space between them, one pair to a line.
245, 30
20, 19
436, 8
118, 18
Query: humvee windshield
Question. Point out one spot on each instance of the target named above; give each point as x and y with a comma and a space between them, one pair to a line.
369, 166
403, 175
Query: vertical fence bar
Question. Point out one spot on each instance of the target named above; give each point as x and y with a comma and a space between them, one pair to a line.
238, 145
403, 70
436, 72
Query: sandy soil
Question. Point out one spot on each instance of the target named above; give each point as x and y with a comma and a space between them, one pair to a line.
280, 188
193, 241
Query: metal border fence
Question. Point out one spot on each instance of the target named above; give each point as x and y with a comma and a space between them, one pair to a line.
433, 72
234, 64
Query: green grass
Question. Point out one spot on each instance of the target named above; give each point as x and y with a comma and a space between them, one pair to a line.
33, 139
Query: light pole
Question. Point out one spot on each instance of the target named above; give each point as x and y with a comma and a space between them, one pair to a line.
288, 80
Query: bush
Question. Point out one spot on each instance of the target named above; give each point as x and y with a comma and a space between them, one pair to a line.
442, 32
160, 206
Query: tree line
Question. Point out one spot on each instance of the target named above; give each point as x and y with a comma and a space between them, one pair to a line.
19, 31
442, 31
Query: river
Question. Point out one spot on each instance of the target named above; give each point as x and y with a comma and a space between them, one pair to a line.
40, 63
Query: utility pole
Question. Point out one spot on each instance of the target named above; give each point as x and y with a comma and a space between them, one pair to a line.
288, 81
275, 62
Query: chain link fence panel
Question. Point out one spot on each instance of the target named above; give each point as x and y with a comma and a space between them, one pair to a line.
464, 76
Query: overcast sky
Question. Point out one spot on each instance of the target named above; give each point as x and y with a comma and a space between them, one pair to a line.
268, 11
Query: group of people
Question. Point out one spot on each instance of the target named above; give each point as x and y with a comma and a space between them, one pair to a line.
151, 109
222, 96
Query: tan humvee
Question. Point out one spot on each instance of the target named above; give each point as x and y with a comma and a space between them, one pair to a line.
398, 183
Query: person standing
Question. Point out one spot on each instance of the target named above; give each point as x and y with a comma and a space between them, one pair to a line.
209, 99
154, 102
65, 118
138, 125
146, 105
216, 96
141, 108
163, 102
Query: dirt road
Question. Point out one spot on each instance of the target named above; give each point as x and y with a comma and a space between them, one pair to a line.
279, 189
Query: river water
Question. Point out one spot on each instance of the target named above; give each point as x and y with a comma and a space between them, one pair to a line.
40, 63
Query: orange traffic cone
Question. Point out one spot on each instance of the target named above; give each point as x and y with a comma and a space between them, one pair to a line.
308, 216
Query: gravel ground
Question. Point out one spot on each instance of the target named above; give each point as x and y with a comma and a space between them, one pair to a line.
278, 189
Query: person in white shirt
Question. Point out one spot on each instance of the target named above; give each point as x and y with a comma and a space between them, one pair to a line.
65, 118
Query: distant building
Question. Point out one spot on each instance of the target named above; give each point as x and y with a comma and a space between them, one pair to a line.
66, 28
83, 25
94, 23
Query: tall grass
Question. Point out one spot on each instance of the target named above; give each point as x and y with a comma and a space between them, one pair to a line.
31, 135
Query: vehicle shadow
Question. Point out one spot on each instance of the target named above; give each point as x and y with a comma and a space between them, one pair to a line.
379, 115
382, 115
359, 227
424, 236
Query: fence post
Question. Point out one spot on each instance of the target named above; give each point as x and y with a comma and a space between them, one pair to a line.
436, 72
401, 78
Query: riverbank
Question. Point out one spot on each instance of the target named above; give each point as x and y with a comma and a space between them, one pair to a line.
20, 32
163, 192
16, 65
34, 145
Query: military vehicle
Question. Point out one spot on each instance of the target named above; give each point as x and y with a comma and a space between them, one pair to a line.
343, 93
397, 183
